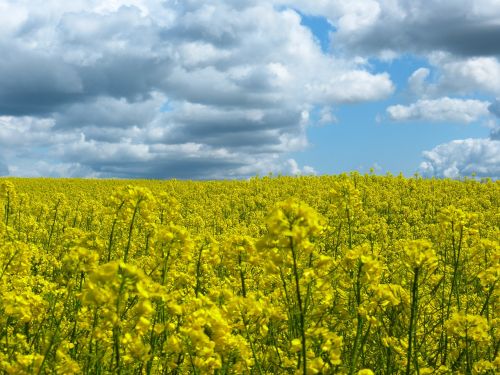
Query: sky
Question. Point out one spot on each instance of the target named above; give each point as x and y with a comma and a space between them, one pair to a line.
233, 88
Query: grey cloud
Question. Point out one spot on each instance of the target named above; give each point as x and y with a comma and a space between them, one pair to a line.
170, 168
461, 27
86, 55
90, 29
131, 77
458, 35
417, 82
245, 140
449, 26
31, 83
494, 108
187, 161
210, 87
495, 134
201, 122
107, 112
220, 23
111, 134
190, 30
480, 39
153, 161
184, 89
259, 79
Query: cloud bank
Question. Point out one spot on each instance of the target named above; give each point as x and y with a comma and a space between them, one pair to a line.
158, 89
385, 28
226, 89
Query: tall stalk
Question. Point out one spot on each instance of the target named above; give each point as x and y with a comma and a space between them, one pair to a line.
412, 329
130, 229
300, 306
360, 323
54, 219
7, 209
112, 233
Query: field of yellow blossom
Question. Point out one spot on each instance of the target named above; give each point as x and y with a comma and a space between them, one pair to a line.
349, 274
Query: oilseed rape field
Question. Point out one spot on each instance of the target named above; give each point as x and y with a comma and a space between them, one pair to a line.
348, 274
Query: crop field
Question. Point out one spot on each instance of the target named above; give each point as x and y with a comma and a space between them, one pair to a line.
348, 274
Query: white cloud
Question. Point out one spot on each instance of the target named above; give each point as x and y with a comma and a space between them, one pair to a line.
223, 88
347, 15
417, 82
380, 27
450, 75
23, 133
157, 89
294, 169
458, 158
494, 108
12, 18
326, 116
51, 169
440, 110
471, 75
351, 87
495, 133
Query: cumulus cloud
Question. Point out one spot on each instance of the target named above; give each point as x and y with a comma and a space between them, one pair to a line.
495, 133
417, 83
440, 110
466, 75
461, 27
147, 88
458, 158
326, 116
151, 88
456, 76
51, 169
458, 40
294, 168
494, 108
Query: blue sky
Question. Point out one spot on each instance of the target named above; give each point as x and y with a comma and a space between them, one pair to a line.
384, 145
363, 137
231, 89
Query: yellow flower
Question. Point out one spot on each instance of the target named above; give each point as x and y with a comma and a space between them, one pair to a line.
419, 254
296, 345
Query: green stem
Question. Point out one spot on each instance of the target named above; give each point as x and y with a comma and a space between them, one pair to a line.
198, 273
136, 208
413, 320
7, 209
53, 225
360, 323
301, 310
111, 235
252, 345
242, 277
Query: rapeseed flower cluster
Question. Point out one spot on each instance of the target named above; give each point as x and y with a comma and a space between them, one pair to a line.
345, 274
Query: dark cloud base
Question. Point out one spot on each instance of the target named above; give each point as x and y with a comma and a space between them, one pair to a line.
180, 169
